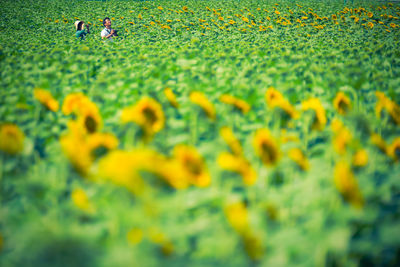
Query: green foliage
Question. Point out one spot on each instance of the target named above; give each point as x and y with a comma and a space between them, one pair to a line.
299, 216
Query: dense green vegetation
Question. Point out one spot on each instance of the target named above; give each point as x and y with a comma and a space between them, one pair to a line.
227, 133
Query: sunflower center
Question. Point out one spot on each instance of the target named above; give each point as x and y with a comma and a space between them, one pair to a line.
193, 166
343, 106
268, 152
150, 115
90, 124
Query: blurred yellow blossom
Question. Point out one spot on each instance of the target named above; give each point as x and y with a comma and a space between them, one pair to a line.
11, 138
46, 99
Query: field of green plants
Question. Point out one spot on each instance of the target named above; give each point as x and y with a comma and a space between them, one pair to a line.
208, 133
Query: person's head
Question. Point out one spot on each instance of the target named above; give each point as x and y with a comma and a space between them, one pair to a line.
79, 25
107, 22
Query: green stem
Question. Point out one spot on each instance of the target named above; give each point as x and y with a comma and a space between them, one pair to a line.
194, 128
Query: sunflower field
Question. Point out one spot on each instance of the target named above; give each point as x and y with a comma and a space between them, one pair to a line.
207, 133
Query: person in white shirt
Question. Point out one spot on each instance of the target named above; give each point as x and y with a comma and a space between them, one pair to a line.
108, 32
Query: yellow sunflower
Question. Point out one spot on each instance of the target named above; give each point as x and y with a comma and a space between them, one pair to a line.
171, 97
384, 103
147, 113
275, 99
230, 139
360, 158
239, 165
378, 141
237, 216
347, 185
342, 103
193, 165
89, 117
201, 100
393, 149
266, 147
320, 117
342, 136
73, 102
299, 158
81, 200
46, 99
239, 104
11, 139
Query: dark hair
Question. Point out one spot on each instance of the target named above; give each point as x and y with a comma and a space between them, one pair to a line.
104, 20
79, 26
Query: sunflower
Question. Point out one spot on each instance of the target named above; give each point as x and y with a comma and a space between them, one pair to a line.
201, 100
239, 165
123, 168
77, 152
378, 141
73, 102
135, 236
347, 185
360, 158
237, 103
237, 216
370, 25
342, 103
46, 99
266, 147
171, 97
275, 99
391, 107
393, 149
101, 141
299, 158
342, 137
370, 14
230, 139
89, 117
147, 113
81, 200
315, 105
11, 139
334, 17
193, 165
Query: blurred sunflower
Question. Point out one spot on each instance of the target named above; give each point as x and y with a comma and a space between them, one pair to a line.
171, 97
360, 158
89, 117
275, 99
73, 102
238, 164
11, 139
193, 165
46, 99
201, 100
378, 141
237, 103
299, 158
342, 103
347, 185
266, 147
237, 216
384, 103
342, 136
230, 139
147, 113
393, 150
81, 200
319, 112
